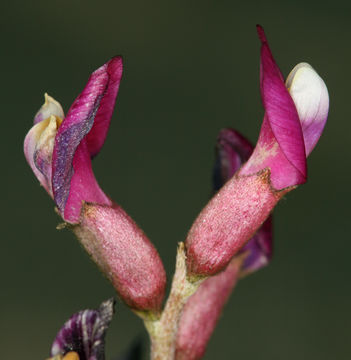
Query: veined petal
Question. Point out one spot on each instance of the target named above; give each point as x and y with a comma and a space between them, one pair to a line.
50, 107
84, 333
38, 147
280, 146
73, 180
311, 99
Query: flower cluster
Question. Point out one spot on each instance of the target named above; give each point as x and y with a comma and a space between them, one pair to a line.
59, 150
232, 235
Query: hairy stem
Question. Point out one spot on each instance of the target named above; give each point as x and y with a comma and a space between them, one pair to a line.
163, 331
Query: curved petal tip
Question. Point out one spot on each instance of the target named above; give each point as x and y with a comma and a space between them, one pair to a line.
281, 145
261, 33
50, 107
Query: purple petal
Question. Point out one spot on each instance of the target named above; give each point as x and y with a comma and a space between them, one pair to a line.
311, 99
73, 180
259, 248
85, 333
232, 150
280, 146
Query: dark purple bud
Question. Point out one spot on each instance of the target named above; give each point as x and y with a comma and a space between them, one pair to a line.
232, 150
84, 333
259, 248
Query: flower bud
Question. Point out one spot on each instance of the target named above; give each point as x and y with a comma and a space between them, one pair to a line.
277, 164
59, 150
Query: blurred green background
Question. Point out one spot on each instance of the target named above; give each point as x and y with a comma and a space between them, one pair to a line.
191, 68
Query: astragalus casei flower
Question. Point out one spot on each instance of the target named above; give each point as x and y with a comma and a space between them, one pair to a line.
296, 112
59, 150
231, 237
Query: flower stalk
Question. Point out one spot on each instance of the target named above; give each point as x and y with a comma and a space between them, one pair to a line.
163, 331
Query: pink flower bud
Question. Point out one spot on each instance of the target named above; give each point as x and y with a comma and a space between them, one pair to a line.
289, 131
59, 150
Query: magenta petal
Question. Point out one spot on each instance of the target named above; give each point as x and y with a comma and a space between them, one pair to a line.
280, 146
97, 135
71, 173
268, 154
281, 111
